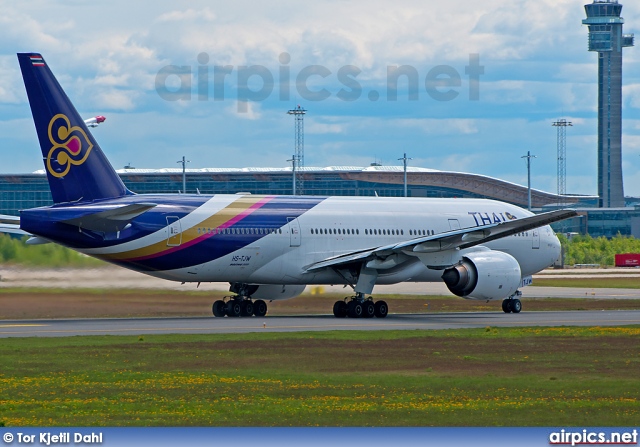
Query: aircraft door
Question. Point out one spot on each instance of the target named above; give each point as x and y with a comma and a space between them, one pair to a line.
536, 238
294, 231
174, 231
454, 224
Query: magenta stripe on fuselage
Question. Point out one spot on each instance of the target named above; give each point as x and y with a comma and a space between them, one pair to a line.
227, 224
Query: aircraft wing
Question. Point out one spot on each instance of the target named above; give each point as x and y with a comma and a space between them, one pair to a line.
455, 239
110, 220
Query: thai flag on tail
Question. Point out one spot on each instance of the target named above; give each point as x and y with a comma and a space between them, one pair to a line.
37, 61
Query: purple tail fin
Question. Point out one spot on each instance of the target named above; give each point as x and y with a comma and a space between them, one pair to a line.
76, 167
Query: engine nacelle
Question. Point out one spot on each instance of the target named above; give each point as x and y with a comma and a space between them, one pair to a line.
484, 275
269, 292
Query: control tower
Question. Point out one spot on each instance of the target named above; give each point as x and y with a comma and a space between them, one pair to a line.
605, 37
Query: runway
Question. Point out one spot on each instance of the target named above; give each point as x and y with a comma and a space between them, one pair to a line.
210, 325
106, 277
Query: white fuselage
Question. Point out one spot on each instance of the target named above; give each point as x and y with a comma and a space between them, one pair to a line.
339, 225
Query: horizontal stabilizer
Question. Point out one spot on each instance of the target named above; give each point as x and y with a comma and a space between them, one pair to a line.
12, 229
11, 220
110, 221
11, 225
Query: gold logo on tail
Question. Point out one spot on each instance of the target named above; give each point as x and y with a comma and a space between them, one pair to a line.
71, 146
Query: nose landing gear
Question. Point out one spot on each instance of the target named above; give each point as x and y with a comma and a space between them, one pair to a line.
512, 304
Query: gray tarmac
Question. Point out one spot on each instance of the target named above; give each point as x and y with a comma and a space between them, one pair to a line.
211, 325
115, 277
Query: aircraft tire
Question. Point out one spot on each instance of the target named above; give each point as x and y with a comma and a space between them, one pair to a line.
246, 308
381, 309
506, 306
219, 308
259, 308
234, 308
355, 309
340, 309
516, 306
368, 309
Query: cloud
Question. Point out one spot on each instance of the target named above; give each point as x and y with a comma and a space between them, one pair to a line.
244, 110
113, 99
188, 15
314, 127
440, 126
631, 95
10, 88
536, 64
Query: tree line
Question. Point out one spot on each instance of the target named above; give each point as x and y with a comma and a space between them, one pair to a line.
588, 250
578, 250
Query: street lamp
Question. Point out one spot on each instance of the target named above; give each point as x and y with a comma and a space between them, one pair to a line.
293, 160
529, 157
404, 159
184, 162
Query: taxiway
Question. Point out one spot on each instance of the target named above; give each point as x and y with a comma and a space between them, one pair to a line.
206, 325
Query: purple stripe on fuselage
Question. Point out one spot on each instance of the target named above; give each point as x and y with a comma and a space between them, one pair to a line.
271, 216
200, 239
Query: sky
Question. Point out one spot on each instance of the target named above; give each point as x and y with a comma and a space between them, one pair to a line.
481, 83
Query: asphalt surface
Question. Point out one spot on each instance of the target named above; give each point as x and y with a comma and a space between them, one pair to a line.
110, 277
211, 325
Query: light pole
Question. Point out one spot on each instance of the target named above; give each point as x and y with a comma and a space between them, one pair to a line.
404, 159
293, 160
529, 157
184, 162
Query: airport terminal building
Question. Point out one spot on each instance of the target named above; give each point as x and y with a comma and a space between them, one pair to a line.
21, 191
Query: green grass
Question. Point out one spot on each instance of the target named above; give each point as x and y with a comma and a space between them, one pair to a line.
16, 252
592, 283
477, 377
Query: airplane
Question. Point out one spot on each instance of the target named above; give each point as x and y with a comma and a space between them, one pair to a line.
95, 121
270, 247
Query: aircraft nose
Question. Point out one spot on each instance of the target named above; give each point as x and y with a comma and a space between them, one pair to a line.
554, 244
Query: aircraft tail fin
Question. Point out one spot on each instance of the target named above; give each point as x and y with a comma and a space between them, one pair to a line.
76, 167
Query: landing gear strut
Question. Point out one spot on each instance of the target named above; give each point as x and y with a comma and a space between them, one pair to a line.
240, 305
360, 307
512, 304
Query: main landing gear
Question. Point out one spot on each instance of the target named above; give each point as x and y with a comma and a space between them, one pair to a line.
512, 304
240, 305
359, 307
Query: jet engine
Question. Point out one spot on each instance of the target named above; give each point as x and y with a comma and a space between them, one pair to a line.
484, 275
276, 292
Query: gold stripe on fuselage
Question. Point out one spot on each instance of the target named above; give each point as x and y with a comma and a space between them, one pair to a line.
214, 221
